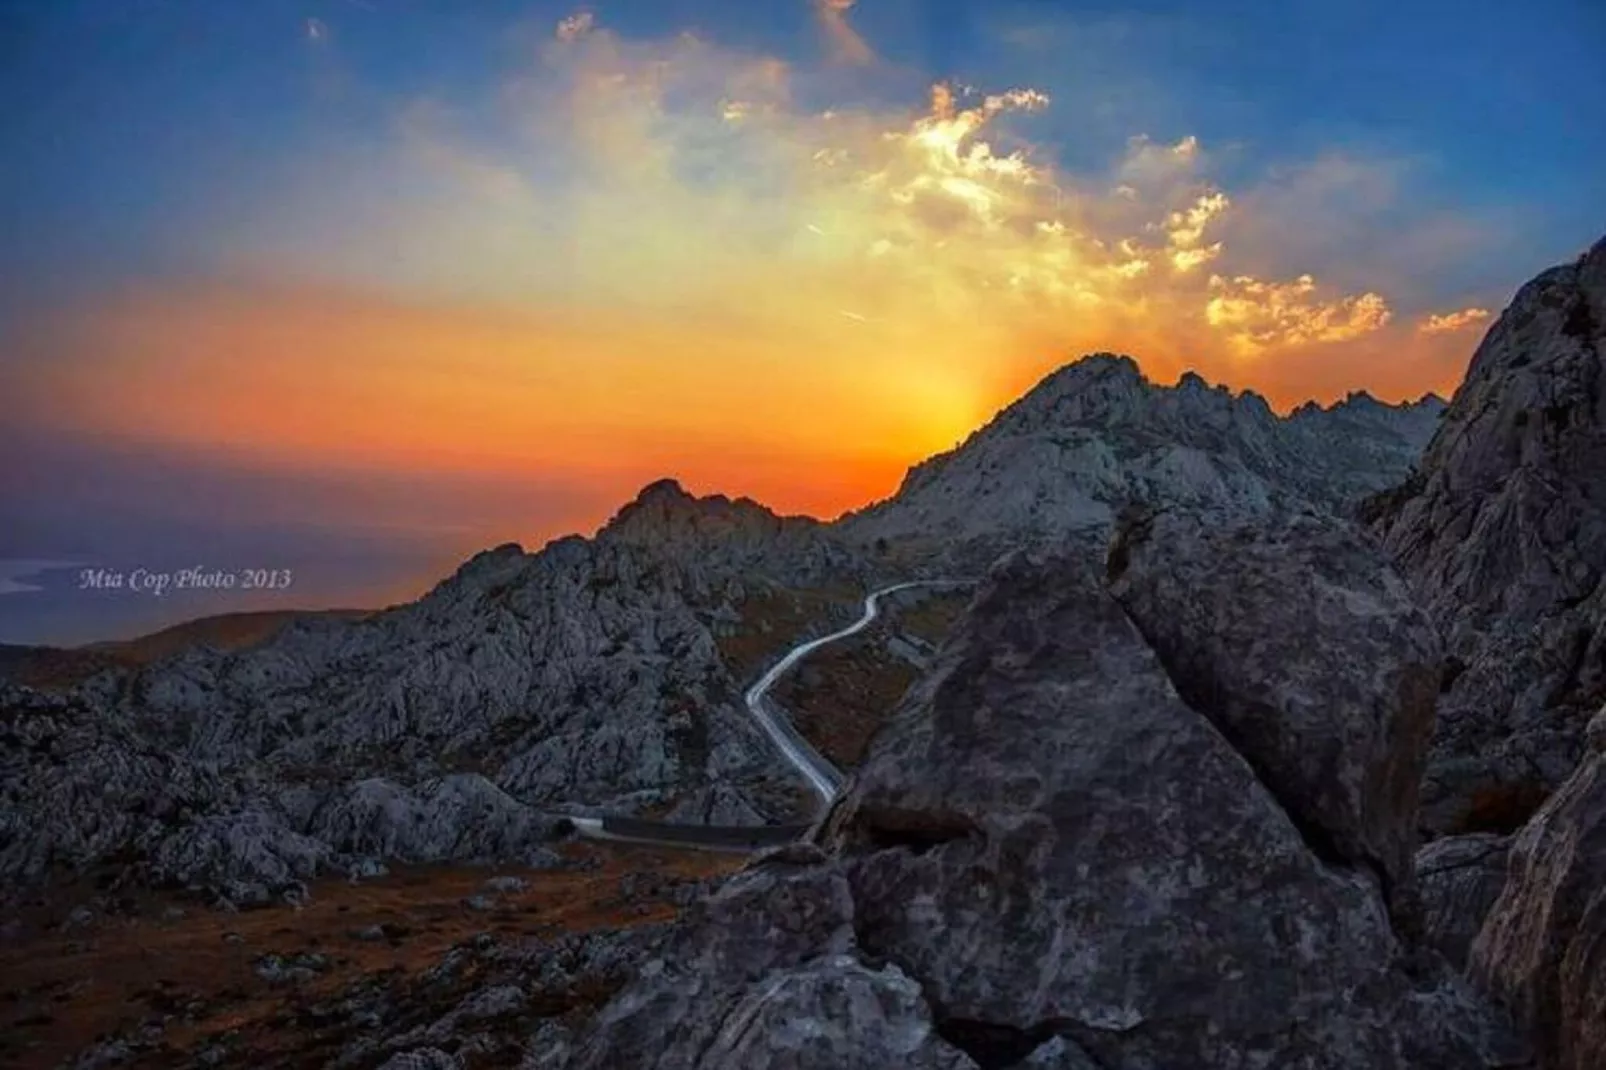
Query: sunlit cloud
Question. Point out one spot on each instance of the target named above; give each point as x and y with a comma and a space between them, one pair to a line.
1443, 323
1258, 315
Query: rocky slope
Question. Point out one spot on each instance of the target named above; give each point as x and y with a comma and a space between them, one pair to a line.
586, 675
1502, 535
1097, 435
1053, 857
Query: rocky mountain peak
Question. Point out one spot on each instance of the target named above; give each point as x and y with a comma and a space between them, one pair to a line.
664, 510
1112, 388
1565, 304
1097, 434
484, 571
665, 522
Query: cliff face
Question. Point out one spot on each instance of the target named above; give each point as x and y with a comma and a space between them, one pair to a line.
1502, 535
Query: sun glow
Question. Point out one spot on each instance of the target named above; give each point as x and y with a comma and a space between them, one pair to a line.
662, 263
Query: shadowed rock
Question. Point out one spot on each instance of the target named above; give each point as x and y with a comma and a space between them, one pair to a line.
1542, 951
1301, 645
1052, 842
1502, 535
1458, 879
764, 974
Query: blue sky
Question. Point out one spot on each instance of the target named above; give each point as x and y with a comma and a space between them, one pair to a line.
173, 168
135, 119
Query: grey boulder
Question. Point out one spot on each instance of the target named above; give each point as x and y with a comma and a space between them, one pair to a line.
1052, 842
1304, 649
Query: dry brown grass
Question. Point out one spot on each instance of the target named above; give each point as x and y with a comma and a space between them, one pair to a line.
841, 695
934, 616
1502, 808
60, 990
844, 696
773, 623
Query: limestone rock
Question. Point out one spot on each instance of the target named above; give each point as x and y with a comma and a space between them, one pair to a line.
1459, 878
1502, 534
252, 846
460, 818
1542, 949
762, 974
1050, 841
585, 675
1302, 646
1060, 462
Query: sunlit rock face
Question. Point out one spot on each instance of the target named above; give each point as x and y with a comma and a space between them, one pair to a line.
1502, 535
1097, 435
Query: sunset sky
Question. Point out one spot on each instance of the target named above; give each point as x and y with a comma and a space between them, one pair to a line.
357, 287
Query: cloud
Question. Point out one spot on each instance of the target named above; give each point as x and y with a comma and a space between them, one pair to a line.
316, 30
1443, 323
645, 254
1258, 315
575, 26
846, 44
17, 574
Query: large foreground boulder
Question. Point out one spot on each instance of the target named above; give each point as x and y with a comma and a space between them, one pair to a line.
1303, 647
1052, 842
1542, 950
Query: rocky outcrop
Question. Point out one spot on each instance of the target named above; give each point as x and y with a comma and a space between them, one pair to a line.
1049, 859
455, 818
765, 974
1303, 648
1458, 879
1502, 535
1097, 435
1058, 844
1542, 950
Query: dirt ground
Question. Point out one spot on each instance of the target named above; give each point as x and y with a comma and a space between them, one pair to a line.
65, 985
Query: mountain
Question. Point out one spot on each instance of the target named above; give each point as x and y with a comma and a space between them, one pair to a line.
605, 673
1097, 435
1502, 534
587, 675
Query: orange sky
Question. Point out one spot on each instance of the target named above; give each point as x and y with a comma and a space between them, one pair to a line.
668, 266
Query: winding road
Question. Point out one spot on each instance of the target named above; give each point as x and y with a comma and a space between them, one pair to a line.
823, 777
